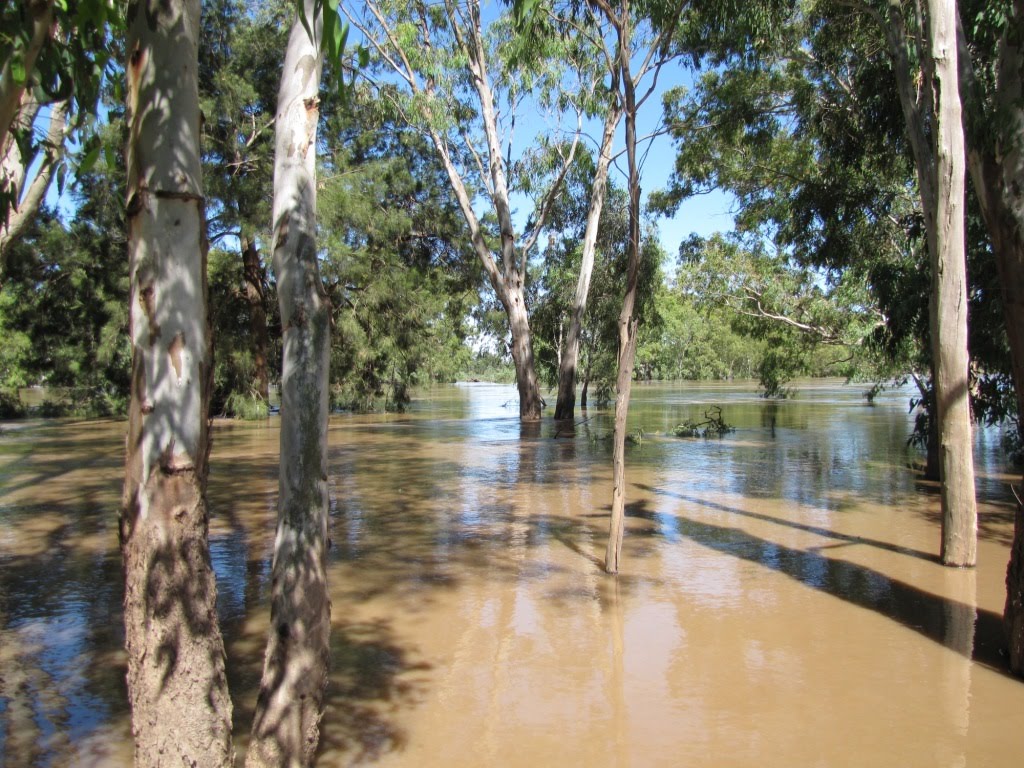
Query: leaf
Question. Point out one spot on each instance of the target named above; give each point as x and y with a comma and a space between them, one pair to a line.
89, 160
18, 69
340, 39
300, 9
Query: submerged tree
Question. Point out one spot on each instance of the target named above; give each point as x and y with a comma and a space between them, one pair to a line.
290, 704
930, 99
991, 60
181, 710
446, 62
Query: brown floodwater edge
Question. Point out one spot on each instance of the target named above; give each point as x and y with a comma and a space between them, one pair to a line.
780, 602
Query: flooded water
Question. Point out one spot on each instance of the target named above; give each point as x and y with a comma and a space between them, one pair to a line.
780, 603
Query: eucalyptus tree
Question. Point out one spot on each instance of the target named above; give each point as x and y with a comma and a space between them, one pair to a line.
181, 710
560, 275
636, 43
923, 49
26, 191
444, 74
991, 60
239, 72
571, 21
285, 728
818, 126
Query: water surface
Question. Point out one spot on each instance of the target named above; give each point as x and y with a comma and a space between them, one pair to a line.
780, 602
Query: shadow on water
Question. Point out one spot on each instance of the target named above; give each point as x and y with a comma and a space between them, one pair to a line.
820, 531
935, 617
62, 667
371, 677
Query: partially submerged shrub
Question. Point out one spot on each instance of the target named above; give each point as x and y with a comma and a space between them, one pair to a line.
714, 425
246, 406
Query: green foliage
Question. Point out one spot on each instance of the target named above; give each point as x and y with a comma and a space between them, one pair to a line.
249, 407
64, 304
234, 373
555, 286
398, 270
77, 57
487, 367
10, 405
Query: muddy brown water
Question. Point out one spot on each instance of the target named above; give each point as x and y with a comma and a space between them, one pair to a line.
780, 603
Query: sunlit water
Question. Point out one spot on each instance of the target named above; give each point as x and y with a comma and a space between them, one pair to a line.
779, 604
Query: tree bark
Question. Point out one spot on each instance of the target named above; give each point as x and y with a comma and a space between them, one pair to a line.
530, 405
627, 321
15, 170
931, 107
565, 406
290, 704
252, 272
181, 710
1010, 256
996, 162
949, 272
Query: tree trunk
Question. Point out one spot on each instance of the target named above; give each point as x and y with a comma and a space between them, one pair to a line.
566, 404
290, 704
996, 161
627, 321
254, 291
530, 406
14, 172
181, 710
931, 106
1010, 256
949, 273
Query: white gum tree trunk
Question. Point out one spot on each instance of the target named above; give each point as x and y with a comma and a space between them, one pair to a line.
290, 704
565, 406
931, 106
949, 270
627, 319
181, 710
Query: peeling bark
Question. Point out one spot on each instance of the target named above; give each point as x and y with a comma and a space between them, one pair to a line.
15, 169
181, 710
285, 729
